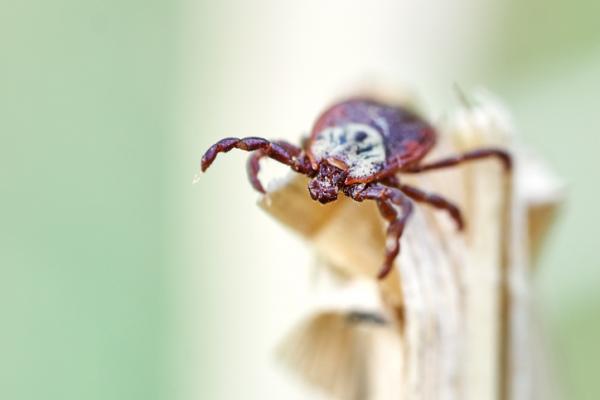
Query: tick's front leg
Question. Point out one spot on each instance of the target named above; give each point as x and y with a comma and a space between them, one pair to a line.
386, 198
284, 152
298, 162
270, 149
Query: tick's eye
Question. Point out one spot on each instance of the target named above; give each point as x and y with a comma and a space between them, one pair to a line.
360, 136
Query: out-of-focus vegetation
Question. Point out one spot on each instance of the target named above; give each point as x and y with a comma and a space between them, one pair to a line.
547, 67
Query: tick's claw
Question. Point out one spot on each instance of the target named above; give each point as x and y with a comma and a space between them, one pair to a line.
208, 158
384, 271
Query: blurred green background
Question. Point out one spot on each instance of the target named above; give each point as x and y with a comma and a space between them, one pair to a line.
121, 280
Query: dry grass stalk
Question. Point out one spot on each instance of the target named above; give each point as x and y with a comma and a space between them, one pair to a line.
457, 307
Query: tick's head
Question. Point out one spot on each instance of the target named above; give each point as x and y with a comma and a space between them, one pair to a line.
325, 186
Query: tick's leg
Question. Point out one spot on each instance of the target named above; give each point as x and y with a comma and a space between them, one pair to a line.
290, 148
436, 201
386, 198
479, 154
387, 210
394, 231
429, 198
253, 166
272, 150
281, 151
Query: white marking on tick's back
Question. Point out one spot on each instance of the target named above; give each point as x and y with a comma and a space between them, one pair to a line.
383, 124
359, 146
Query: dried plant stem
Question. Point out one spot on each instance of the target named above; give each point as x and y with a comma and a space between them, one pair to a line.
459, 318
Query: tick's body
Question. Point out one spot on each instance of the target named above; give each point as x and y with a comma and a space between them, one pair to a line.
371, 139
358, 146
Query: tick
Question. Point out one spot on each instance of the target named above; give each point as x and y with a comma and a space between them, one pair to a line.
358, 147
